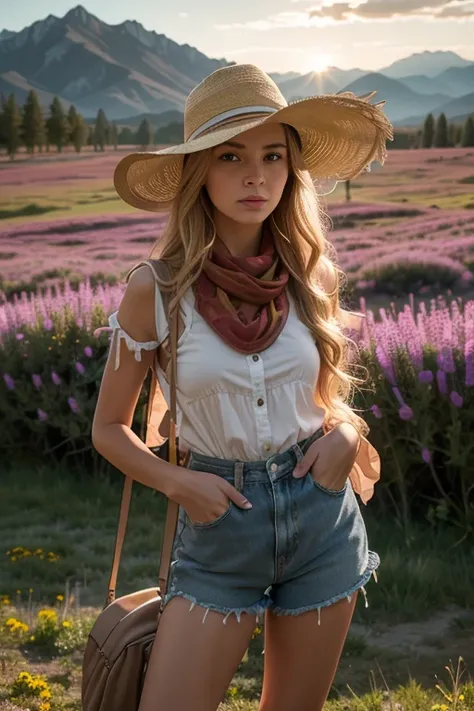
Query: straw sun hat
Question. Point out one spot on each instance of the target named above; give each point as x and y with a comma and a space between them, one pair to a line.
341, 134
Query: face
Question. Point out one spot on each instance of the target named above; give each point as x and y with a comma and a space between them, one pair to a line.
254, 164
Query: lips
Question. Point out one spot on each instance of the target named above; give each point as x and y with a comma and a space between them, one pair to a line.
254, 199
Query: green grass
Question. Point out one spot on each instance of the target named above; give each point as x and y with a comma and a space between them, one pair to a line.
55, 201
75, 517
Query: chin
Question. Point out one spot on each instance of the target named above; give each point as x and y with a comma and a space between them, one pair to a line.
250, 218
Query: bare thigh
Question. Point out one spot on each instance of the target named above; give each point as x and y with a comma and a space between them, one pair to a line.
301, 657
192, 663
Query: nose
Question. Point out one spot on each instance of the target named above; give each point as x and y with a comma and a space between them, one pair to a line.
255, 175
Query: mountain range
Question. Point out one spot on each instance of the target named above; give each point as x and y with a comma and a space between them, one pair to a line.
129, 72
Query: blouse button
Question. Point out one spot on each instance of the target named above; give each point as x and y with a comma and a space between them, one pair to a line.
255, 357
260, 401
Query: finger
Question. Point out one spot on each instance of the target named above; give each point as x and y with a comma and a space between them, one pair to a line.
238, 498
303, 467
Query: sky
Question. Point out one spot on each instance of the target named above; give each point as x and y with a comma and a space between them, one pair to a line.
286, 35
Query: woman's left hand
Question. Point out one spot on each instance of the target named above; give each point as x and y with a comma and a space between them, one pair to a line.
331, 457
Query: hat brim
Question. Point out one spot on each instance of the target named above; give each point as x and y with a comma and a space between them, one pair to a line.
340, 135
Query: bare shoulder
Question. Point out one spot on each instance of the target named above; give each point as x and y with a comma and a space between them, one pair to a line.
142, 280
136, 312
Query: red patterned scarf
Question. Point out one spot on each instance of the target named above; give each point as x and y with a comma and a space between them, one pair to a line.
244, 299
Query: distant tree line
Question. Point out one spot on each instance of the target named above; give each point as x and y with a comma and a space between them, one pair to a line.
436, 133
27, 126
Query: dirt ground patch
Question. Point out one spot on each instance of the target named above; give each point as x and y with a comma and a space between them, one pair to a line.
378, 654
420, 650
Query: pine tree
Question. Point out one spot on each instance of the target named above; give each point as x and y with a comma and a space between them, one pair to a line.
441, 132
100, 130
468, 132
428, 131
144, 134
113, 135
452, 135
10, 126
126, 136
57, 126
33, 125
78, 131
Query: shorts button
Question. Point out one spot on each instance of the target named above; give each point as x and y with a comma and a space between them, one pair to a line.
255, 357
260, 401
274, 467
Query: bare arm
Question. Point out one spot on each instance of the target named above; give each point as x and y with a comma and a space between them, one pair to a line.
119, 392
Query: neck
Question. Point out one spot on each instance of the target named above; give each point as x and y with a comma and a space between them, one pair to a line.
241, 240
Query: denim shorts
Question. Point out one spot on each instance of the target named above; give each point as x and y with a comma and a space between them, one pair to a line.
300, 547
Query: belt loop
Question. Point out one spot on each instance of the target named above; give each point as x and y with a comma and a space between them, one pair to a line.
298, 452
239, 475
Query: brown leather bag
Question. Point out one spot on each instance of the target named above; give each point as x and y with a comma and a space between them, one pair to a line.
119, 644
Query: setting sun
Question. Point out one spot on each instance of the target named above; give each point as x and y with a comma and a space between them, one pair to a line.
319, 62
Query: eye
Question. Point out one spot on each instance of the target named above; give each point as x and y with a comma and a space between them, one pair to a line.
278, 155
226, 155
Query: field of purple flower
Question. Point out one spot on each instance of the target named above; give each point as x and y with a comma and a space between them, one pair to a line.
406, 244
409, 235
408, 228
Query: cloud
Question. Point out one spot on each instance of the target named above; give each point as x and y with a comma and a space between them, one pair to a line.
457, 11
275, 22
390, 9
184, 15
324, 15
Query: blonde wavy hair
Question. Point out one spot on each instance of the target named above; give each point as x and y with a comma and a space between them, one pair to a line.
298, 226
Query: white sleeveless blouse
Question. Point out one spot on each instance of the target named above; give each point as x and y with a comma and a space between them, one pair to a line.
236, 406
245, 407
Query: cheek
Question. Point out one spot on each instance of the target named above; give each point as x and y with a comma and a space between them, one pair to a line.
279, 180
219, 186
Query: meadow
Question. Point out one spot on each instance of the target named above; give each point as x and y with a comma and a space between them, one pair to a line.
406, 244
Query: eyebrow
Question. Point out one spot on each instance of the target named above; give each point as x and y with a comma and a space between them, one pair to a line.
234, 144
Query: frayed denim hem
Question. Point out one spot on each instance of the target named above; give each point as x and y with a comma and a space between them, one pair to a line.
255, 609
372, 565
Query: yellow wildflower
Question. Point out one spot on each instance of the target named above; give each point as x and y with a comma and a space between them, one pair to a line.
60, 598
461, 697
66, 623
45, 694
47, 614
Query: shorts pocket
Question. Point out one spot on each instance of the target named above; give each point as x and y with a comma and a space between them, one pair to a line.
324, 489
210, 524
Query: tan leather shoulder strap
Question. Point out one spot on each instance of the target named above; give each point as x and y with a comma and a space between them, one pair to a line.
173, 507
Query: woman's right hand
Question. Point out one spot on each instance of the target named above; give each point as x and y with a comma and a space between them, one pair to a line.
205, 496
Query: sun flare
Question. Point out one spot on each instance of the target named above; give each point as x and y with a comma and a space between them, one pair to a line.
319, 62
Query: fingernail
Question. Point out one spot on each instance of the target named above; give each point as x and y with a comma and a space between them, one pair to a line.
247, 505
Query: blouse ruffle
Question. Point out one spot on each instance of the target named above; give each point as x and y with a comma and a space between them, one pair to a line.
133, 346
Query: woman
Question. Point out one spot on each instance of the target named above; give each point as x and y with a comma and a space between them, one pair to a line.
274, 456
